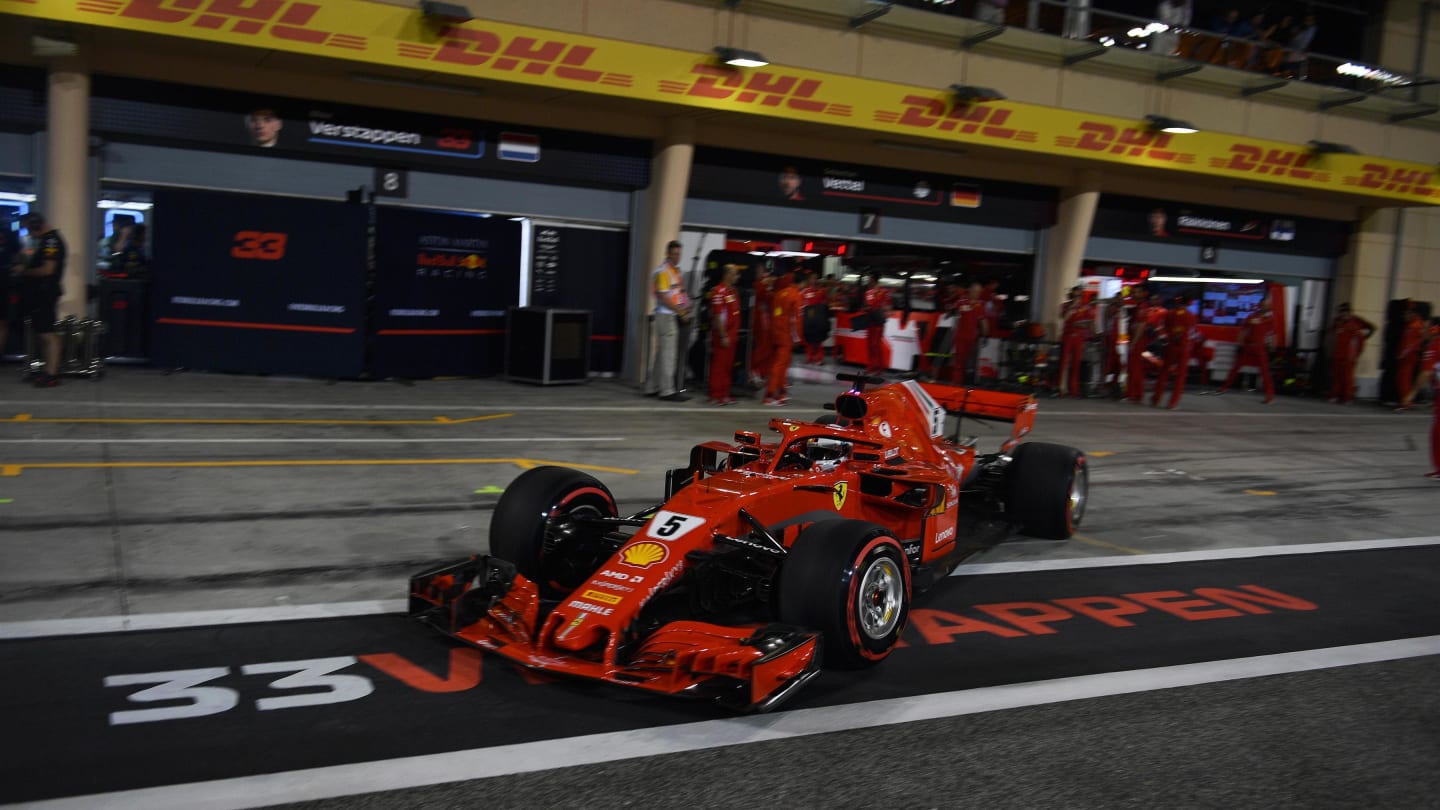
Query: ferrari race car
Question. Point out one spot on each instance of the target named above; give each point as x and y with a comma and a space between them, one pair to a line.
766, 558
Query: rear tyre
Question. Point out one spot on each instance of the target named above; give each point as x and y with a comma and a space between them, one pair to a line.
848, 579
535, 526
1047, 489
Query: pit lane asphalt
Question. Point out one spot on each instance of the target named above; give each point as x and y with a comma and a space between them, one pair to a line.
1222, 472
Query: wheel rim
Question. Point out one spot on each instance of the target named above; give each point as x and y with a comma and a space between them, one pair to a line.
565, 555
880, 596
1079, 494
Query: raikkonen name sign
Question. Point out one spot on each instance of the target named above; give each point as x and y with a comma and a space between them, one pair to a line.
396, 36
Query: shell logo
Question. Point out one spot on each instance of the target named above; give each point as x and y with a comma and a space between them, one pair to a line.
472, 261
644, 555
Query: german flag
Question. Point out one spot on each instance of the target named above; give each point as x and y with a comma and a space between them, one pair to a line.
964, 195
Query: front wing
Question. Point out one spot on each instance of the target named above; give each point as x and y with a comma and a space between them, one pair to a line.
483, 601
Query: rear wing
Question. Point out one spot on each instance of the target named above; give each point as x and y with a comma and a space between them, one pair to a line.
979, 403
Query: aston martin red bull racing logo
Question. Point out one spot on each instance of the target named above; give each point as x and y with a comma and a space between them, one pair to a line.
644, 555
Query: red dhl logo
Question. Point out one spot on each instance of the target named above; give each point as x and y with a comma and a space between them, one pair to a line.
1379, 177
473, 47
961, 119
281, 19
1275, 162
1128, 141
762, 88
470, 261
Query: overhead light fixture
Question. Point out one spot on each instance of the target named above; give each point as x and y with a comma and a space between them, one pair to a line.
11, 196
445, 13
738, 57
1175, 126
1318, 148
1208, 280
870, 16
969, 93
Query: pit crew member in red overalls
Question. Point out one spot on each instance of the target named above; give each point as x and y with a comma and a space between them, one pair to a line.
784, 334
1257, 335
1350, 333
877, 312
970, 325
1407, 357
1147, 319
760, 327
1179, 320
1430, 370
990, 297
815, 315
1079, 327
724, 335
1110, 349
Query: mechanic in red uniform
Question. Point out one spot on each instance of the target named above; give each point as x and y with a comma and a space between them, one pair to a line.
1179, 320
1430, 370
1257, 335
1143, 324
815, 309
760, 326
877, 312
1110, 359
785, 328
993, 305
1350, 333
970, 325
1078, 327
724, 335
1407, 357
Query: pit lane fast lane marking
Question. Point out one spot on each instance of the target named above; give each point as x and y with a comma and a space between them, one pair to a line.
11, 469
28, 419
46, 628
480, 763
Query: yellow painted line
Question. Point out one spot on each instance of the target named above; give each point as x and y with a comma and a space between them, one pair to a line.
439, 420
1099, 453
11, 470
1258, 492
1102, 544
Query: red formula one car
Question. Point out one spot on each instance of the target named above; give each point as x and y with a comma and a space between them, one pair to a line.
765, 558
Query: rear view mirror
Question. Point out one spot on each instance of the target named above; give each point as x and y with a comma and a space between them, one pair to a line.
851, 406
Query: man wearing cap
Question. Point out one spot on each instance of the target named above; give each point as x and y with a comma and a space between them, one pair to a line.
877, 312
1350, 333
970, 326
724, 335
1147, 322
40, 289
1078, 316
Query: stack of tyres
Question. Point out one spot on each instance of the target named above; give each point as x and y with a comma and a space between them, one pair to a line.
79, 348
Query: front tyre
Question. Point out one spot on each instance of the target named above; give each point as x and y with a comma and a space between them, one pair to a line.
1047, 487
849, 580
539, 526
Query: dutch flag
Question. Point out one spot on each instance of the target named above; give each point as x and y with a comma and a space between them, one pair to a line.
520, 146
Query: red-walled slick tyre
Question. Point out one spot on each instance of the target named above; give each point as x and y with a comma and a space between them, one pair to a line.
849, 580
538, 525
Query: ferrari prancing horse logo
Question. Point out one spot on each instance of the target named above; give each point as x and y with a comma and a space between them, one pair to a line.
841, 489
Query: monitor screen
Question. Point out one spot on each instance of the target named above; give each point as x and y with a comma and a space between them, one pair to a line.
1214, 304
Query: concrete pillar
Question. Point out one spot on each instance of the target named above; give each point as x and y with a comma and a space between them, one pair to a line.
1364, 282
664, 205
67, 202
1065, 248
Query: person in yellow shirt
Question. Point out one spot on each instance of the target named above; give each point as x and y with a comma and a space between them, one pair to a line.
671, 305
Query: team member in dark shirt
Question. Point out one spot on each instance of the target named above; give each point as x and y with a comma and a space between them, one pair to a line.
40, 291
9, 255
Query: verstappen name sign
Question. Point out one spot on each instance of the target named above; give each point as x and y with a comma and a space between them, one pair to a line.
396, 36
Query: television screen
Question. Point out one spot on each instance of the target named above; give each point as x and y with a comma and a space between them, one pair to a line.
1214, 304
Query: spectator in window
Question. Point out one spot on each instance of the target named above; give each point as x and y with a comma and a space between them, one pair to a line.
1176, 14
1297, 55
991, 11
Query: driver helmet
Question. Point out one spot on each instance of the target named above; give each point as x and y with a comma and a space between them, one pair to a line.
827, 454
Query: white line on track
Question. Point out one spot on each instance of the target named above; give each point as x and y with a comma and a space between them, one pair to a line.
436, 440
481, 763
42, 628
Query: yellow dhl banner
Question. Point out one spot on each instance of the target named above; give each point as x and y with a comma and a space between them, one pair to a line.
392, 35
